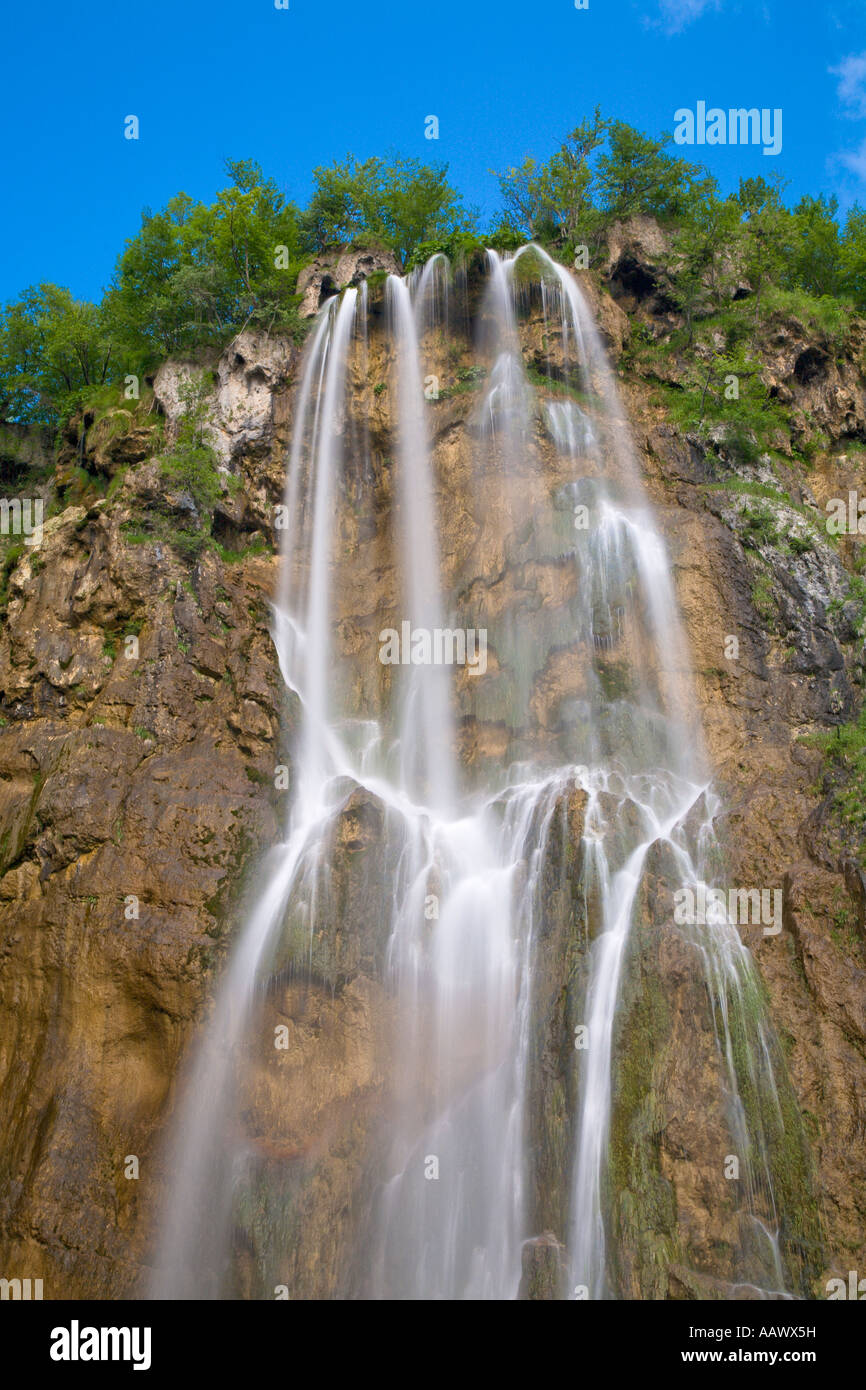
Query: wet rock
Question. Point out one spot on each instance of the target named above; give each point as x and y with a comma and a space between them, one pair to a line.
350, 934
544, 1269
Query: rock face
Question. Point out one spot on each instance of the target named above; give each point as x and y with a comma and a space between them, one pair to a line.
136, 760
798, 670
140, 728
249, 378
142, 720
333, 271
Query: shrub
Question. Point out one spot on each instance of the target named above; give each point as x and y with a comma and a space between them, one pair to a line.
192, 464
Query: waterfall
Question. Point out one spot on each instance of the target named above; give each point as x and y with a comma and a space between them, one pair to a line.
427, 754
587, 702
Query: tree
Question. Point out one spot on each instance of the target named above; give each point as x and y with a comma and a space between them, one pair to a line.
701, 267
196, 273
554, 200
636, 176
192, 463
763, 233
52, 347
813, 251
419, 205
399, 203
853, 248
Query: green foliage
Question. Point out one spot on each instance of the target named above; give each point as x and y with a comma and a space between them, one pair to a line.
763, 599
398, 202
555, 198
52, 349
701, 276
468, 379
234, 557
854, 256
504, 238
635, 175
457, 245
760, 527
746, 489
10, 556
723, 395
607, 170
196, 274
801, 545
813, 259
191, 464
762, 250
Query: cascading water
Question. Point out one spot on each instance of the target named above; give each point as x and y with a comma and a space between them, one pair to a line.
560, 523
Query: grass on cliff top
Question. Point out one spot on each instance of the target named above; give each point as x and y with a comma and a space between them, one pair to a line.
821, 314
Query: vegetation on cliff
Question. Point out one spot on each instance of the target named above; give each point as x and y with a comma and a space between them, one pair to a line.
196, 274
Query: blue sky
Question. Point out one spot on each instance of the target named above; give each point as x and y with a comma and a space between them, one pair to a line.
299, 87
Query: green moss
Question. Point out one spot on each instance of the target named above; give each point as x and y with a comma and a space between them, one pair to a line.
561, 388
468, 379
763, 597
116, 484
11, 555
779, 1146
234, 557
133, 535
640, 1199
614, 677
239, 864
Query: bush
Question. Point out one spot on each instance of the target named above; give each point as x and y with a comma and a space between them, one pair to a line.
761, 527
192, 464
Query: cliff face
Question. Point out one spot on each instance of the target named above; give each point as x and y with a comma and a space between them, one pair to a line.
796, 611
143, 719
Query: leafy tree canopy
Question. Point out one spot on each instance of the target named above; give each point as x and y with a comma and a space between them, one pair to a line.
397, 202
52, 347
